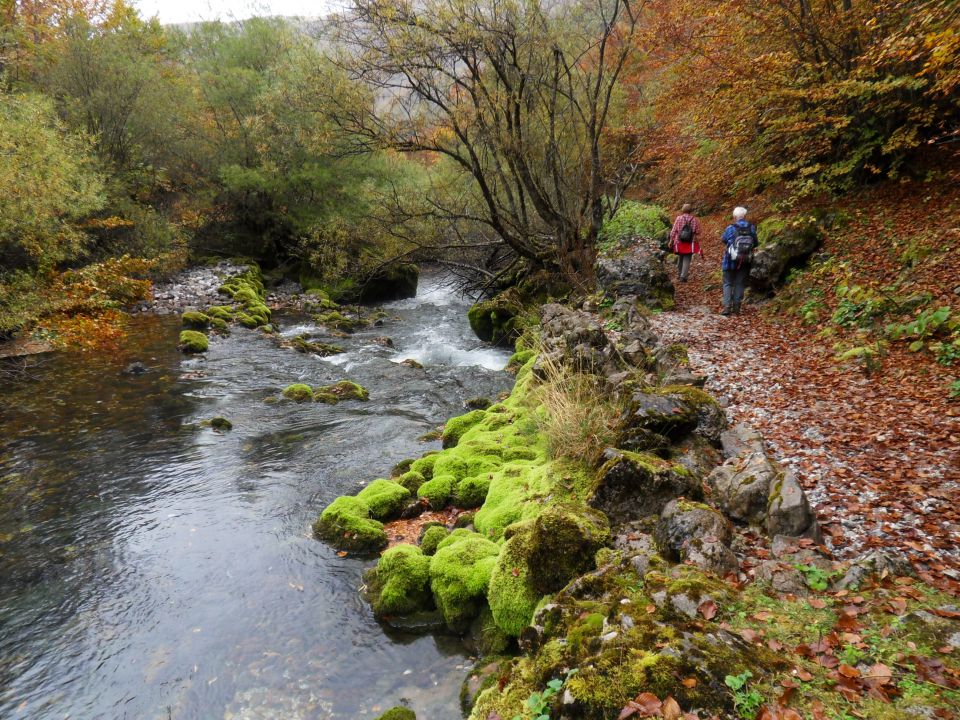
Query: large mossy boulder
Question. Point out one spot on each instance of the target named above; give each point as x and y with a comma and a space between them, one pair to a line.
395, 282
641, 272
460, 571
400, 584
562, 544
346, 524
783, 245
456, 427
498, 319
630, 486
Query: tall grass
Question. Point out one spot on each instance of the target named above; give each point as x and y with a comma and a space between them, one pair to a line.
578, 415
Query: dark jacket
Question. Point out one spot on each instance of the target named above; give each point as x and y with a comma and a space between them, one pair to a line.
728, 235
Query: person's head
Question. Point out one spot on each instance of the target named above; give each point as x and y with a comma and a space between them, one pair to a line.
687, 208
739, 213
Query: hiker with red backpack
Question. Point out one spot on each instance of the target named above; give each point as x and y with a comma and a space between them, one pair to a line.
683, 240
740, 237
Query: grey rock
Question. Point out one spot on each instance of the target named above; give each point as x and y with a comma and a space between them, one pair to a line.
781, 577
639, 272
739, 440
629, 488
742, 486
778, 252
788, 512
874, 565
696, 533
573, 338
135, 368
667, 415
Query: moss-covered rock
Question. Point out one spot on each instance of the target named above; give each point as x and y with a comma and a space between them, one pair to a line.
192, 341
411, 480
394, 282
459, 575
512, 595
498, 319
336, 320
221, 312
432, 537
424, 465
221, 424
398, 713
519, 359
298, 392
302, 343
401, 582
195, 320
343, 390
384, 498
471, 492
456, 427
562, 545
437, 490
220, 325
346, 524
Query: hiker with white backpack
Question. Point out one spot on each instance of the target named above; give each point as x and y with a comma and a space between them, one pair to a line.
740, 237
684, 240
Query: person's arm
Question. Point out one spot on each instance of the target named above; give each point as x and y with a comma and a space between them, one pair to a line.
695, 226
728, 235
675, 232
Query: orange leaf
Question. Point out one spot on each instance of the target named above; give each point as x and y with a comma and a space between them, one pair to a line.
708, 608
848, 671
670, 709
689, 683
817, 603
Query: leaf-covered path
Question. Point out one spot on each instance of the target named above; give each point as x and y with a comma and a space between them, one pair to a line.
878, 455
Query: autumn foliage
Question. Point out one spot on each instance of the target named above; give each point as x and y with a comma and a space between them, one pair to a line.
808, 94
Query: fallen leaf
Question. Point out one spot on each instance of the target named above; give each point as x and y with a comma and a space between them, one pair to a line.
817, 603
670, 709
689, 683
848, 671
708, 608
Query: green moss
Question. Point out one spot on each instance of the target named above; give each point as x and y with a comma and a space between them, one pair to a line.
220, 312
301, 343
384, 498
192, 341
343, 390
346, 524
338, 321
432, 537
471, 492
519, 359
220, 325
401, 467
512, 596
424, 465
437, 490
195, 320
221, 424
412, 480
459, 575
402, 581
456, 427
298, 392
692, 395
398, 713
246, 320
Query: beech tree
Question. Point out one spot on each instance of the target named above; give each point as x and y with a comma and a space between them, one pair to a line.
517, 96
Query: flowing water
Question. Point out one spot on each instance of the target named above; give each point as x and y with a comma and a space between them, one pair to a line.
153, 568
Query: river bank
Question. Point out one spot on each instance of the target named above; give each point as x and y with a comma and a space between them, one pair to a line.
654, 563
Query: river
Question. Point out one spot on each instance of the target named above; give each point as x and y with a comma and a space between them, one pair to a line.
151, 568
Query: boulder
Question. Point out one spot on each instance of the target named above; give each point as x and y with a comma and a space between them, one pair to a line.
782, 578
639, 271
395, 282
669, 415
782, 246
697, 533
572, 337
630, 485
874, 565
788, 511
742, 487
740, 439
497, 319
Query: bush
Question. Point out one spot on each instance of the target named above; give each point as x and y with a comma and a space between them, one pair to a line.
634, 220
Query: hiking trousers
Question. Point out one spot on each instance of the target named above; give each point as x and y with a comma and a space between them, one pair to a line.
683, 265
734, 282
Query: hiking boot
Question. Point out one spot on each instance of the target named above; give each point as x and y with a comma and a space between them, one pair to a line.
726, 311
736, 310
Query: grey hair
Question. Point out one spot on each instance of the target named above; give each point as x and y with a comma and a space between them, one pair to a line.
739, 213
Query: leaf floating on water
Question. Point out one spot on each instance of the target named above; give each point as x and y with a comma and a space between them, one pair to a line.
295, 586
